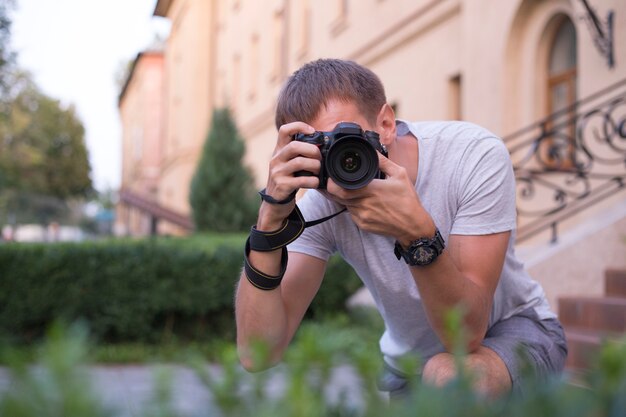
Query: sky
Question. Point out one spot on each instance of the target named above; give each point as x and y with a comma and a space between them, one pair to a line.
74, 49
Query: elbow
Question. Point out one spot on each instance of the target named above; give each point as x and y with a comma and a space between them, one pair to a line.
476, 332
254, 360
250, 365
475, 335
474, 344
470, 345
467, 340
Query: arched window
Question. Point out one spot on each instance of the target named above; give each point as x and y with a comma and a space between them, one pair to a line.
561, 95
562, 68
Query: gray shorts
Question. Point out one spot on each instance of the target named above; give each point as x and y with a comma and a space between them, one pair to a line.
525, 344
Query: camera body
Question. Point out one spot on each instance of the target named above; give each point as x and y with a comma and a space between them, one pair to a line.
348, 155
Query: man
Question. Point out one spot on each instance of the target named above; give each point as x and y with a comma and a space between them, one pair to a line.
448, 189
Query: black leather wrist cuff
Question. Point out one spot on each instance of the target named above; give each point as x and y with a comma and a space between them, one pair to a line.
269, 199
259, 279
261, 241
268, 241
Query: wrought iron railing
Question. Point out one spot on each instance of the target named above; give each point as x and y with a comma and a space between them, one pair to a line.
152, 208
569, 161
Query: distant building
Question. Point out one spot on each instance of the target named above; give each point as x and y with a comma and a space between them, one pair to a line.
144, 167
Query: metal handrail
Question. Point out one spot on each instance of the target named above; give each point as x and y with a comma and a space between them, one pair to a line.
154, 209
569, 161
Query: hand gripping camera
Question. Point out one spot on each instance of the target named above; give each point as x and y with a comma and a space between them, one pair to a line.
348, 155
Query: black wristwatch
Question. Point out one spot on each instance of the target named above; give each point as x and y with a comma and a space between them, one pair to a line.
421, 252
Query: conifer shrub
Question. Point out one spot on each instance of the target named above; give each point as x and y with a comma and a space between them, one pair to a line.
222, 194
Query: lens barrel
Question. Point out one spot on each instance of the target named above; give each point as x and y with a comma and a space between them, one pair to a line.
352, 162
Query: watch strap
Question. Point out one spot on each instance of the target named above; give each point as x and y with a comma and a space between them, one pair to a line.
435, 246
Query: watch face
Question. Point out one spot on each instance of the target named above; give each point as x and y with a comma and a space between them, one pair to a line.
423, 255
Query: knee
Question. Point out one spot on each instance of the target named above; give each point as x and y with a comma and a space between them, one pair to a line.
439, 370
488, 372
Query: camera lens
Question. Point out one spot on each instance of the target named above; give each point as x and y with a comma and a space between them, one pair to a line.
352, 162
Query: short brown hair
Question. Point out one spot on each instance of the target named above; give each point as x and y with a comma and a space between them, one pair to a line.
317, 82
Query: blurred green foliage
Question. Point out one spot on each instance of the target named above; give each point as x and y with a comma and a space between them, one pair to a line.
44, 163
59, 386
149, 291
306, 385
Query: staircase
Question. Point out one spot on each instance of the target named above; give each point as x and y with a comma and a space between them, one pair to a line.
588, 321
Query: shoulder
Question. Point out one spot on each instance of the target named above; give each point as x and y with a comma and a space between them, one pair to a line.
459, 141
444, 129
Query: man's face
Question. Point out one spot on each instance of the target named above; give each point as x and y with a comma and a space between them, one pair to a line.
337, 111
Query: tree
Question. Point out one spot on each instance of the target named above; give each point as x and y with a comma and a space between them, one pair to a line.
6, 54
44, 165
7, 59
43, 157
222, 193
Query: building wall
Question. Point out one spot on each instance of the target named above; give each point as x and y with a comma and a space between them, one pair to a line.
141, 112
493, 54
188, 98
481, 60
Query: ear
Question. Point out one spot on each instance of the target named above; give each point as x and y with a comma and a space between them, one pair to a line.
386, 125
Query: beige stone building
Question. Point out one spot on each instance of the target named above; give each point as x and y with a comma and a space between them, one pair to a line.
504, 64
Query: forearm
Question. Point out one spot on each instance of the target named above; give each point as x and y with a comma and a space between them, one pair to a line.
265, 315
460, 278
260, 314
443, 288
261, 318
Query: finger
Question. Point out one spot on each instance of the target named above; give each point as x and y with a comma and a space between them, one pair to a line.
296, 183
343, 194
303, 164
286, 132
295, 149
333, 189
387, 166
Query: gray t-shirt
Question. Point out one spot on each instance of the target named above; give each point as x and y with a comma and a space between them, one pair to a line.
465, 181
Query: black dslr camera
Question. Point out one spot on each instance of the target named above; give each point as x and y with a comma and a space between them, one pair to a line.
348, 155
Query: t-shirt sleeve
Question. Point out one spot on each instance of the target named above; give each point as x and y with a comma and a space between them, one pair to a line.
486, 194
317, 240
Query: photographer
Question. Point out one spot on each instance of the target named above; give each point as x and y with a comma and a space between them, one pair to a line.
436, 233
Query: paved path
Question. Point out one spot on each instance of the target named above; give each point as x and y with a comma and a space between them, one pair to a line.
129, 389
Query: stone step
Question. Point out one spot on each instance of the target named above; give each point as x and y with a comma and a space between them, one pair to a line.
584, 345
615, 282
602, 314
582, 348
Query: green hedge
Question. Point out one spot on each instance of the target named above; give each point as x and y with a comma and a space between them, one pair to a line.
144, 290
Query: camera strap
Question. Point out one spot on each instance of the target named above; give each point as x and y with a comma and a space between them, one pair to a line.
294, 226
279, 239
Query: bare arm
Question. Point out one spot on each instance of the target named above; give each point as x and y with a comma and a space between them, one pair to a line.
272, 317
465, 275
